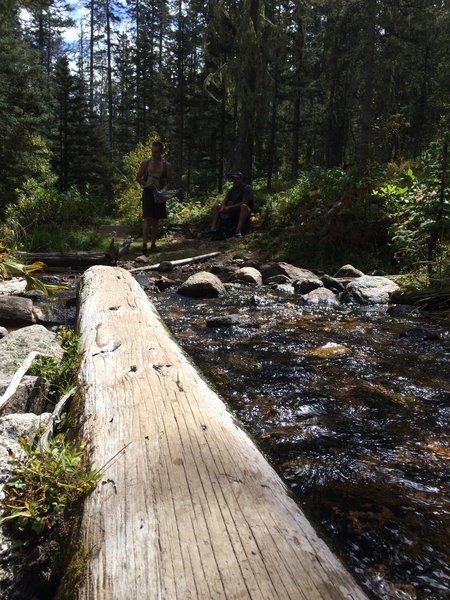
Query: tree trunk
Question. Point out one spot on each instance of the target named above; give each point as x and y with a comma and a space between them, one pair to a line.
366, 109
188, 507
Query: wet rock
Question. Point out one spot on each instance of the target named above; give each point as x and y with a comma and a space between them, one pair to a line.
332, 284
16, 346
304, 286
348, 271
277, 279
165, 266
369, 289
231, 320
330, 350
319, 296
418, 334
290, 271
35, 295
224, 272
202, 285
248, 275
402, 310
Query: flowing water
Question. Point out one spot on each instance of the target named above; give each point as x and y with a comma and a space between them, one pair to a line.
352, 407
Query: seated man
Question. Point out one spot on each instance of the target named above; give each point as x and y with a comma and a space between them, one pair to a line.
234, 212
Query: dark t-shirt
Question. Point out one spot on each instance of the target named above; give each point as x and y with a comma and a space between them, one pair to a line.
243, 194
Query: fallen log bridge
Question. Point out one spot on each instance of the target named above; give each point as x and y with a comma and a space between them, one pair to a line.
188, 507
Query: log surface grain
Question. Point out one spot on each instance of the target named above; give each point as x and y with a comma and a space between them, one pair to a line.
188, 508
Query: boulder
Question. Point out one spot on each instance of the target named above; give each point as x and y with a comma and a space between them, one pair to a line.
370, 289
248, 275
281, 268
319, 296
26, 398
202, 285
13, 287
3, 332
332, 284
304, 286
16, 346
16, 310
348, 271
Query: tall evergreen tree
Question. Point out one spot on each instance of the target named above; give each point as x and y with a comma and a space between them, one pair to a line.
23, 104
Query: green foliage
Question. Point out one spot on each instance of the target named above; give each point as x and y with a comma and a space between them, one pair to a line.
46, 217
416, 200
45, 483
57, 378
9, 267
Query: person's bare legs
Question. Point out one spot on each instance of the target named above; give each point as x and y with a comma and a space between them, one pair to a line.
215, 216
244, 213
154, 231
145, 232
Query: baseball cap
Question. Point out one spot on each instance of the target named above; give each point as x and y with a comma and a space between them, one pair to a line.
235, 175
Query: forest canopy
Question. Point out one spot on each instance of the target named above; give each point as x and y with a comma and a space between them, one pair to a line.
272, 88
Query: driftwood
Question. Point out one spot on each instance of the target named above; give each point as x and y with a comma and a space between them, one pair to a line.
17, 378
177, 263
48, 432
188, 507
67, 259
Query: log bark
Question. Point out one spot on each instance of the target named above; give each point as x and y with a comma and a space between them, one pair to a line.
67, 259
188, 508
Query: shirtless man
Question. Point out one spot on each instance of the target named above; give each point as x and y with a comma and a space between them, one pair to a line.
154, 172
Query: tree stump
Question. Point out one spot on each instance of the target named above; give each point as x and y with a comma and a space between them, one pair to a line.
188, 507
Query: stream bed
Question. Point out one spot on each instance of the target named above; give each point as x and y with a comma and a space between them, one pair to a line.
352, 408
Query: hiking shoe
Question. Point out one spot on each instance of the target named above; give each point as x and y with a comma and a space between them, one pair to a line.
153, 248
238, 234
144, 250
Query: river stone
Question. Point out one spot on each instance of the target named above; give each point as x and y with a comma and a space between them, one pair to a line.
202, 285
224, 272
320, 296
248, 275
349, 271
282, 268
277, 279
304, 286
26, 398
332, 284
13, 287
16, 346
230, 320
16, 310
370, 289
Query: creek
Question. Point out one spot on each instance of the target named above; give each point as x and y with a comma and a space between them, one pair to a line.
352, 408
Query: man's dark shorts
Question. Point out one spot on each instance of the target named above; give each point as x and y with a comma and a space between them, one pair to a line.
151, 210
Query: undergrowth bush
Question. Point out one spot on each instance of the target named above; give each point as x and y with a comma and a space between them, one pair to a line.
46, 218
45, 482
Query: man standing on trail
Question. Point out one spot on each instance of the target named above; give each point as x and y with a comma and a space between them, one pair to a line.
154, 174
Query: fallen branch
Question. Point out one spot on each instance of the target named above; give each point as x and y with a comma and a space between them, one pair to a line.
44, 439
18, 376
177, 263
